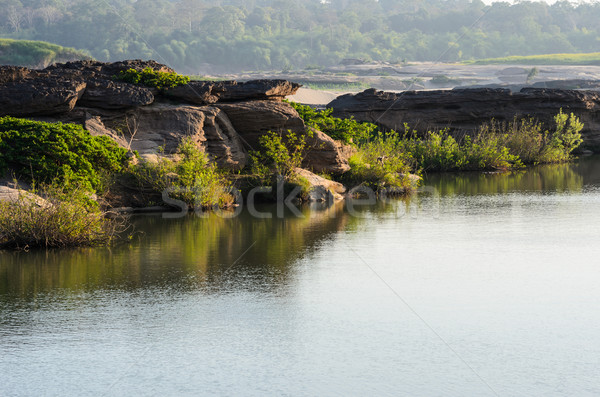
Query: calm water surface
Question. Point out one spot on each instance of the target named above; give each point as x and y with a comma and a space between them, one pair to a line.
480, 285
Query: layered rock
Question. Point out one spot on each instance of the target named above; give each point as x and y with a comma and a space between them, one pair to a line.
224, 118
252, 119
466, 109
25, 93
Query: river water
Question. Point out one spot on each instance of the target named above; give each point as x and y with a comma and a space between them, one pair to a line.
481, 284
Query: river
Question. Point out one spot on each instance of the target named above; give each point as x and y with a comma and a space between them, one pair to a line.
481, 284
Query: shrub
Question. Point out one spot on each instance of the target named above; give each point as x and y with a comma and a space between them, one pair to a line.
66, 153
439, 151
346, 130
191, 177
71, 219
381, 164
152, 78
279, 155
527, 139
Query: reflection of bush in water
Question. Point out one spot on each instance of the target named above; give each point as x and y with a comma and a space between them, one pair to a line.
177, 253
554, 177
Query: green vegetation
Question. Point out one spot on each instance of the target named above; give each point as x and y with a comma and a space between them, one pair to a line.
238, 35
152, 78
36, 54
55, 152
592, 58
279, 156
527, 139
346, 130
379, 165
67, 219
190, 177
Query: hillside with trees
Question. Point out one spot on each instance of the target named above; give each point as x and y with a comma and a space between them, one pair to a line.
197, 36
36, 53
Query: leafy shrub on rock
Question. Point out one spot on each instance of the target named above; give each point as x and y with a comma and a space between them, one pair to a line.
190, 177
68, 219
151, 78
346, 130
65, 153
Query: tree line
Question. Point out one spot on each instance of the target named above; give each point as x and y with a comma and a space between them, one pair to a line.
198, 36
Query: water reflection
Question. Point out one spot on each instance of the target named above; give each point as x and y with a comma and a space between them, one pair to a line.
188, 252
220, 254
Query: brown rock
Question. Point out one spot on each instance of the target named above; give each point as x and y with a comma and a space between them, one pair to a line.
466, 109
159, 128
251, 119
109, 94
40, 95
324, 154
256, 90
196, 92
321, 189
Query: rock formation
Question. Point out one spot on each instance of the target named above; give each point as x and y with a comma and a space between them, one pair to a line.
224, 118
466, 109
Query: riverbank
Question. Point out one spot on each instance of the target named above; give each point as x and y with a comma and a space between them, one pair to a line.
139, 135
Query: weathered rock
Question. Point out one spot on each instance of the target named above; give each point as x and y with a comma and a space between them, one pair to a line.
91, 69
196, 92
252, 119
321, 189
40, 95
109, 94
19, 196
466, 109
8, 74
256, 90
159, 128
324, 154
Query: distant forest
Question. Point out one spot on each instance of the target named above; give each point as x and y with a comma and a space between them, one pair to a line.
196, 36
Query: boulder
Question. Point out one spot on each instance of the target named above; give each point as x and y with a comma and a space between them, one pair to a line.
195, 92
324, 154
109, 94
40, 95
159, 128
252, 119
256, 89
321, 189
17, 196
463, 110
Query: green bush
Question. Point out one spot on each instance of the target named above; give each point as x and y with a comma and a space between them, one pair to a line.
439, 151
346, 130
190, 177
380, 164
65, 153
69, 219
279, 155
527, 139
152, 78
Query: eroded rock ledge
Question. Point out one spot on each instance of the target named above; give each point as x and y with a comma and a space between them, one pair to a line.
224, 118
466, 109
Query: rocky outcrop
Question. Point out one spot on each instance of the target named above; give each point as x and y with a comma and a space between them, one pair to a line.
109, 94
196, 92
224, 118
26, 93
256, 89
252, 119
321, 189
466, 109
325, 154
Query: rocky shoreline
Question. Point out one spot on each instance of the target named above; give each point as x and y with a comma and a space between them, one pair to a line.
465, 110
226, 119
